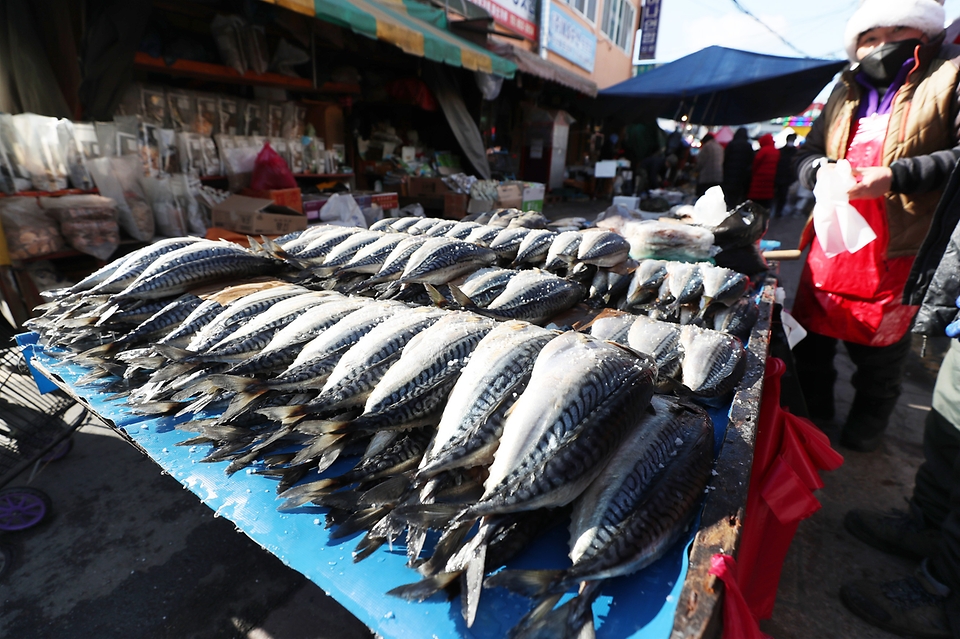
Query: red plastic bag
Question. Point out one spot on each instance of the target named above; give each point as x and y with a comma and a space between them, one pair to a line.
270, 171
738, 621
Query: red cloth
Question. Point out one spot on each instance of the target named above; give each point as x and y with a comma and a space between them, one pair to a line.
856, 296
764, 170
788, 454
738, 621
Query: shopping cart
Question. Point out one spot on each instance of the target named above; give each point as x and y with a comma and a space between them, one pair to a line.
35, 429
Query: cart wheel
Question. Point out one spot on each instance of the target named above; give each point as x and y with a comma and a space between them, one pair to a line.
6, 560
59, 451
22, 508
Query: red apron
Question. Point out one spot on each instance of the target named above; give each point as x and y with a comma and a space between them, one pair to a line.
856, 296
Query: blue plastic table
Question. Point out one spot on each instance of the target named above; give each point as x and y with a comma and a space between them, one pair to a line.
638, 606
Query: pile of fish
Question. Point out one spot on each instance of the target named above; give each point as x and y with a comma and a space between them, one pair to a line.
475, 423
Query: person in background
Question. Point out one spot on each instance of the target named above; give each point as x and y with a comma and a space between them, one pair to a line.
894, 117
927, 603
737, 160
763, 171
709, 164
785, 177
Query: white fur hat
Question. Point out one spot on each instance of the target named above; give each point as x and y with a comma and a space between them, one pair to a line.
926, 15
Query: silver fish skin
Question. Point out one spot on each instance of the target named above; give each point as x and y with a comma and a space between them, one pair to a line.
582, 397
737, 319
296, 241
97, 276
239, 311
169, 316
311, 368
138, 261
384, 225
508, 241
370, 258
205, 313
484, 285
400, 225
535, 296
563, 250
647, 280
440, 228
317, 246
255, 334
461, 230
431, 361
614, 328
685, 282
440, 259
362, 367
713, 362
642, 502
344, 251
483, 235
283, 347
602, 248
722, 285
472, 421
422, 225
192, 265
396, 261
534, 247
660, 340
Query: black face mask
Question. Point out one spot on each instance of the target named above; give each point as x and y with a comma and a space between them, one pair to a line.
883, 63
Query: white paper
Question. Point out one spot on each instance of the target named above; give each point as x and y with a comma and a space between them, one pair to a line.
605, 169
839, 226
792, 328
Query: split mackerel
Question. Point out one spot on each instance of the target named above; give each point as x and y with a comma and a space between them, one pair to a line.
508, 241
602, 248
534, 247
713, 362
563, 250
441, 259
646, 282
136, 263
370, 258
483, 286
535, 296
660, 340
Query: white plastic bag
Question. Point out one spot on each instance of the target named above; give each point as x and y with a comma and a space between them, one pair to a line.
711, 209
838, 225
342, 209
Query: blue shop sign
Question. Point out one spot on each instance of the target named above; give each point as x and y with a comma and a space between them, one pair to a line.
569, 38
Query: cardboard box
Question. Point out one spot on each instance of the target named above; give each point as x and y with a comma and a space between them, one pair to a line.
426, 187
533, 193
256, 216
290, 198
510, 195
455, 205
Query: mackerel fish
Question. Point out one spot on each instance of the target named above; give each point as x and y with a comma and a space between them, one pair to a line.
713, 362
563, 250
440, 259
535, 296
602, 248
534, 247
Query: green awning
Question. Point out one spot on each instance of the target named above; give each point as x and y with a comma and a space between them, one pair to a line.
410, 25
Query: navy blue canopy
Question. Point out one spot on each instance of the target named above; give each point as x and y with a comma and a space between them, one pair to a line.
717, 86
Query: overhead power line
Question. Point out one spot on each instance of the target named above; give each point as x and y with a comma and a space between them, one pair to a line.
766, 26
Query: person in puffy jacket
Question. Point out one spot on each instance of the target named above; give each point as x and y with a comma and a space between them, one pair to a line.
709, 164
763, 172
895, 117
737, 159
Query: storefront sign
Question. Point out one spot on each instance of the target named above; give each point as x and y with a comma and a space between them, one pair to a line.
646, 41
569, 38
516, 15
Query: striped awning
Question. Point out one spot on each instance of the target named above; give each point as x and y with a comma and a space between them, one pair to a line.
408, 24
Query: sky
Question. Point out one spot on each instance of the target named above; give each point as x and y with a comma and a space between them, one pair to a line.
815, 27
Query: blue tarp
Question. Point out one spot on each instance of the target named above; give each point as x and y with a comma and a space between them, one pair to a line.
716, 86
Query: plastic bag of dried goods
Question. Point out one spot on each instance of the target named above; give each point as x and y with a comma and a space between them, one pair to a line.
182, 107
42, 154
29, 230
87, 222
227, 32
668, 241
183, 189
168, 217
238, 157
118, 179
271, 171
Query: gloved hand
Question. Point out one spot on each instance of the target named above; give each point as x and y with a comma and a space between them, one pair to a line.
953, 328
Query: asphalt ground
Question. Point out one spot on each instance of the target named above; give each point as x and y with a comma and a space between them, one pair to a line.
127, 552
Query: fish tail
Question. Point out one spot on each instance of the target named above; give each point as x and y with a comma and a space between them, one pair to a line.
530, 583
572, 620
284, 414
460, 297
305, 493
436, 296
175, 370
472, 584
234, 383
360, 521
240, 404
425, 588
367, 546
390, 491
429, 515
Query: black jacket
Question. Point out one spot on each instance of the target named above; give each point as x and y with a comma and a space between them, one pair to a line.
787, 166
934, 280
737, 159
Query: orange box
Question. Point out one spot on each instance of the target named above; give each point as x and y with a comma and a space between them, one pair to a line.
290, 198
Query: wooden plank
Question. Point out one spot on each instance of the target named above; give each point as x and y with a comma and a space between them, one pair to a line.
699, 608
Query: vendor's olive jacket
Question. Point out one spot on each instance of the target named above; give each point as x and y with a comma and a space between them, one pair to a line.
921, 146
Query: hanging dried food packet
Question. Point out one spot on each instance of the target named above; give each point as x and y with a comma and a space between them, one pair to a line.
295, 155
255, 47
189, 152
107, 138
207, 122
43, 156
227, 32
252, 120
15, 176
229, 113
274, 120
118, 179
128, 134
87, 222
150, 149
167, 214
169, 152
182, 109
75, 158
153, 105
288, 124
30, 232
209, 157
182, 188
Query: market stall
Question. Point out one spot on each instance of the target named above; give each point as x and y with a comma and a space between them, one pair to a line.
643, 605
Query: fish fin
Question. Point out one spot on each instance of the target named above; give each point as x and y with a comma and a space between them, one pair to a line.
416, 538
173, 353
571, 620
472, 584
360, 520
174, 370
156, 408
334, 447
390, 491
530, 583
305, 493
429, 515
367, 546
380, 441
284, 414
451, 542
240, 403
436, 296
425, 588
254, 245
460, 297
